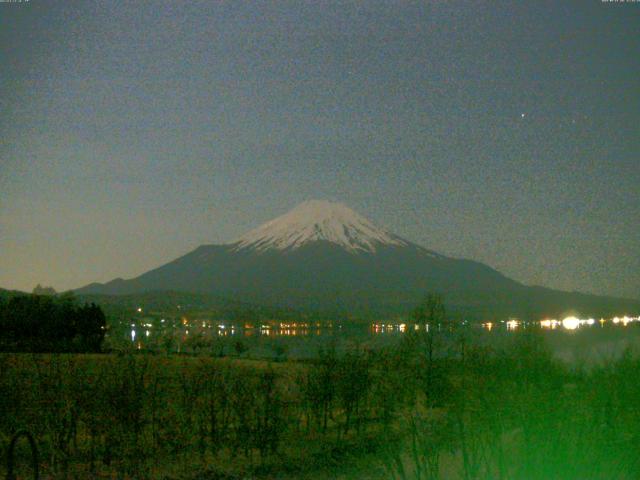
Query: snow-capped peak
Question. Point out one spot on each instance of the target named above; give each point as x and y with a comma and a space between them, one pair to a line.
318, 220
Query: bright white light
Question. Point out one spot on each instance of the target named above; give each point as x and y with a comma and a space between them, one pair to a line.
512, 324
147, 332
133, 335
139, 309
571, 323
590, 321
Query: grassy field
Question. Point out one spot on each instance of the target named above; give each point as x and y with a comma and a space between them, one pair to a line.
415, 410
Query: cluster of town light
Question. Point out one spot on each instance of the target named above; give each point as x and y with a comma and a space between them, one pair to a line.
625, 320
282, 328
568, 323
572, 323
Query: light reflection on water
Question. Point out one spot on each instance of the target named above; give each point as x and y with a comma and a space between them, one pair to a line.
569, 323
514, 324
598, 338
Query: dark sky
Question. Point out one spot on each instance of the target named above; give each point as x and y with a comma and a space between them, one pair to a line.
505, 132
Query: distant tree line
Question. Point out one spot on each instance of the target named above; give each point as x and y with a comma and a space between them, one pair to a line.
45, 323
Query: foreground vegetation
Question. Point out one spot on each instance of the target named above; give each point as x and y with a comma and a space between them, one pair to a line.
430, 407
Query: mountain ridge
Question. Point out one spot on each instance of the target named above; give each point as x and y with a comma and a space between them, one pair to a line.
303, 260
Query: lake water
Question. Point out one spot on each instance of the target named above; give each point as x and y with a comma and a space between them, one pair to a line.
579, 341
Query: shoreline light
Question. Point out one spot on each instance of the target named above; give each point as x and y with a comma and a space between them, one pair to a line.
571, 323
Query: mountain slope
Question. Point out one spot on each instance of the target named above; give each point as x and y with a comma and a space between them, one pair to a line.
324, 256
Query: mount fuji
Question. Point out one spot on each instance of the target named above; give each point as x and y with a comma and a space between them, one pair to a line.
324, 256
